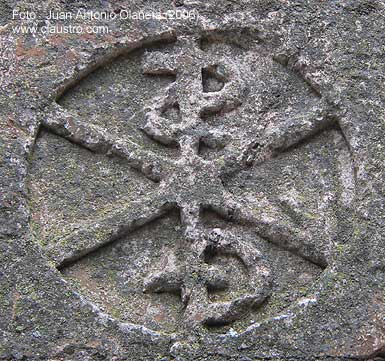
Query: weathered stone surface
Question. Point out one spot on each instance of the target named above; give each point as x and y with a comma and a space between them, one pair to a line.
194, 189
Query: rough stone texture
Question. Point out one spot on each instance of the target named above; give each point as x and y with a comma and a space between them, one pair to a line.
207, 189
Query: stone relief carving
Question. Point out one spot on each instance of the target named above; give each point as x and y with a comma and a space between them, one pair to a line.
216, 114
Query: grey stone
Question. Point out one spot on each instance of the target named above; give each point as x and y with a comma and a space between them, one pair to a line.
206, 188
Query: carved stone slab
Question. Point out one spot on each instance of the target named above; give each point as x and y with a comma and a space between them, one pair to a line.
191, 191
